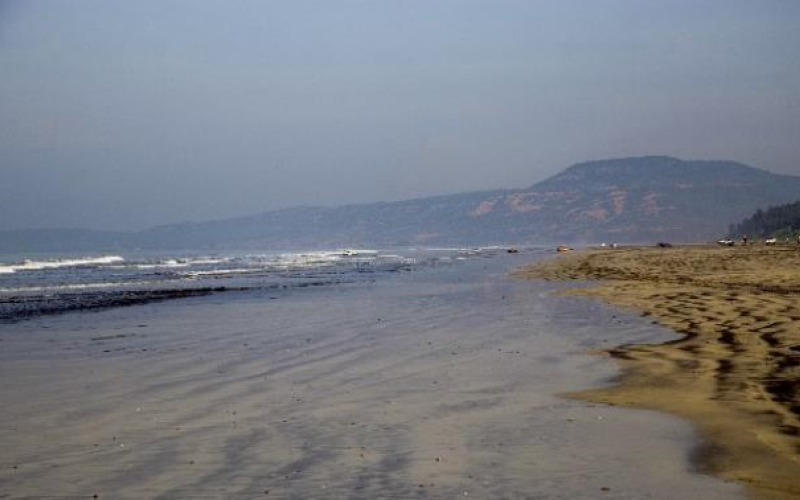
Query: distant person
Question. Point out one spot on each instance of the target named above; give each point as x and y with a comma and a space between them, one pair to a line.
798, 238
744, 240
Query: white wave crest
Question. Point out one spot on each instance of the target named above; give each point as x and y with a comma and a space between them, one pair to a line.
34, 265
181, 262
216, 272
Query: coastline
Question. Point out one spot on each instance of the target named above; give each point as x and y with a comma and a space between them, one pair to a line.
735, 373
427, 385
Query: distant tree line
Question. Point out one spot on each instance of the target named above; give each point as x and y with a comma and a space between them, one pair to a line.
782, 221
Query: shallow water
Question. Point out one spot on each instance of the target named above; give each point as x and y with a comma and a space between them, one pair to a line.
438, 383
57, 283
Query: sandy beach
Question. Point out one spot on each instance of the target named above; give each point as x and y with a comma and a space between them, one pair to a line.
433, 384
735, 373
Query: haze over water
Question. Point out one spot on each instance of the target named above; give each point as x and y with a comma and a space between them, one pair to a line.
408, 372
124, 115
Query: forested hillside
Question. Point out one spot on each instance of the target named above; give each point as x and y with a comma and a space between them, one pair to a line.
782, 221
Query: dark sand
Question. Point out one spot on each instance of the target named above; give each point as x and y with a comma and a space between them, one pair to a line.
736, 372
437, 384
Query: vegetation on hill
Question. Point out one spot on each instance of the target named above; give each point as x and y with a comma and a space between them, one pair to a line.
624, 200
782, 221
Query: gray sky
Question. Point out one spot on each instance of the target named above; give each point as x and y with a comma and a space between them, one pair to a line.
126, 114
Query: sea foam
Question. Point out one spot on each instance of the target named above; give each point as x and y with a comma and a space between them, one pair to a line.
34, 265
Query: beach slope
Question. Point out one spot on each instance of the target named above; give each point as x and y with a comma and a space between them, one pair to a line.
735, 373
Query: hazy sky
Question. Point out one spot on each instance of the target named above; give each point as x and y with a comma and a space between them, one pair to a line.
126, 114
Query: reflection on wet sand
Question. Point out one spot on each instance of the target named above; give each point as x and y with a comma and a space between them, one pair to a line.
424, 386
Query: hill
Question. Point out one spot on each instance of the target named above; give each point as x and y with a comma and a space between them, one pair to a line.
782, 221
640, 199
643, 199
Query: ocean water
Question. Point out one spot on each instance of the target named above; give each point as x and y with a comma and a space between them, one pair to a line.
412, 374
46, 284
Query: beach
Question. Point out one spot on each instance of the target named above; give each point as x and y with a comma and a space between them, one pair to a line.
735, 373
438, 383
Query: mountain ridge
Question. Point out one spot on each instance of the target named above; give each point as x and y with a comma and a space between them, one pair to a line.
631, 200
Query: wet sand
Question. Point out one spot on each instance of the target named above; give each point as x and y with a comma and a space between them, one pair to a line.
436, 384
735, 373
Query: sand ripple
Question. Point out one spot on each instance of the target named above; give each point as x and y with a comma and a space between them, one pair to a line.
735, 374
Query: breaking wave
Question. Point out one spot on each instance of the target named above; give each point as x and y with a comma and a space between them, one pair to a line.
34, 265
33, 287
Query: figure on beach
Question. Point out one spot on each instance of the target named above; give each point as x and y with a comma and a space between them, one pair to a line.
744, 240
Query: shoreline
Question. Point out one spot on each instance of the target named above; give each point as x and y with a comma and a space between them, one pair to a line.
734, 373
421, 385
